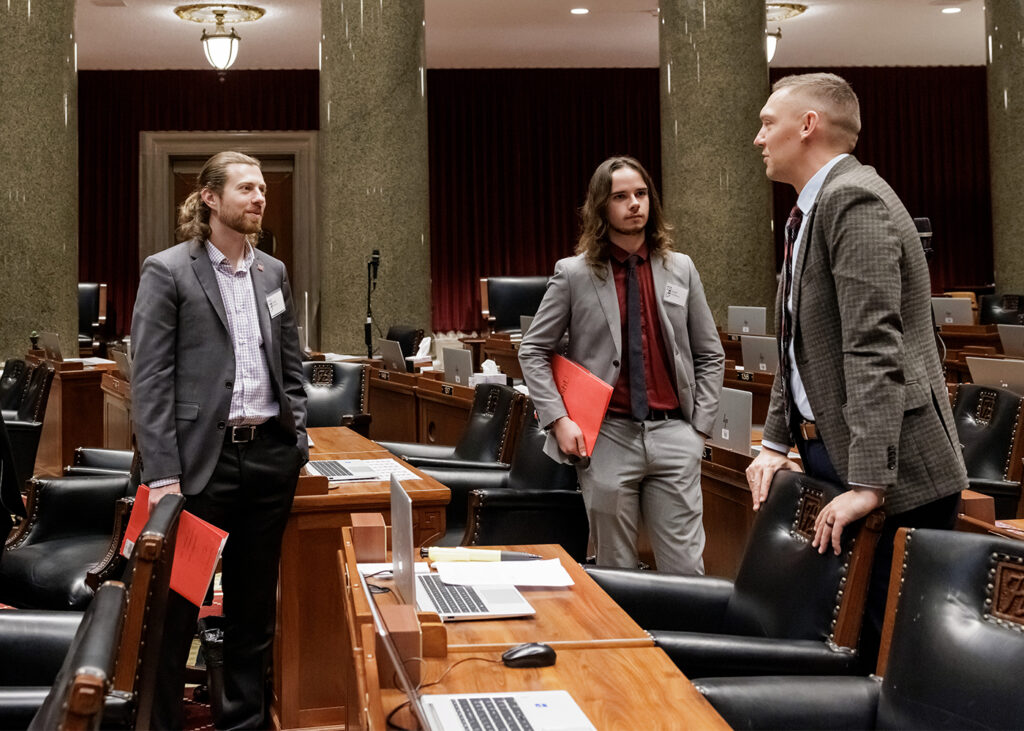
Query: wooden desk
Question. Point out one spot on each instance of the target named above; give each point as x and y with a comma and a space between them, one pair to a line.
393, 406
117, 412
309, 678
504, 351
74, 418
728, 515
617, 688
758, 384
442, 411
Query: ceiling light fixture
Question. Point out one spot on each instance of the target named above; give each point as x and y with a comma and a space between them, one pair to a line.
579, 11
220, 45
776, 13
951, 11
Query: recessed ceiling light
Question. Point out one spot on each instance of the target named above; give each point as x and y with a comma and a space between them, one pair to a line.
951, 11
579, 11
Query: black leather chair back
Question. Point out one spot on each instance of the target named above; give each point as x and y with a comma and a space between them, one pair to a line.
12, 383
333, 391
785, 589
510, 297
33, 401
986, 424
10, 488
88, 311
1000, 309
407, 336
489, 422
76, 697
957, 652
531, 468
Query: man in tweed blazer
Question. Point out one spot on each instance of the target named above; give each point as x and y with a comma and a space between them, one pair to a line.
865, 400
646, 460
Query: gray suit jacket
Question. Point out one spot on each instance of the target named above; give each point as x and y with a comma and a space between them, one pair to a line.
865, 347
184, 364
579, 301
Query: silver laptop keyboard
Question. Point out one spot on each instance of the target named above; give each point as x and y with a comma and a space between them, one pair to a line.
495, 713
451, 598
332, 468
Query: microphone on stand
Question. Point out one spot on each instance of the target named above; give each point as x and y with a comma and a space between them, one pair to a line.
374, 263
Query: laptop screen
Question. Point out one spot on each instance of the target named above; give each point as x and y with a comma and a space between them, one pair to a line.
391, 354
458, 366
760, 353
1004, 373
732, 425
952, 311
746, 320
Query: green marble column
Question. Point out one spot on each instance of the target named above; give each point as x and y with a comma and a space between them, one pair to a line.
714, 80
39, 160
1004, 21
373, 168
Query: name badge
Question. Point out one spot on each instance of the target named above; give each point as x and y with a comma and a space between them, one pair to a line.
275, 302
674, 295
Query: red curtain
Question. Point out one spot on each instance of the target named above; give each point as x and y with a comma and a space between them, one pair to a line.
511, 153
114, 106
926, 132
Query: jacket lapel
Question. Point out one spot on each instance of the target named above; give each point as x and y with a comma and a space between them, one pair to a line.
609, 300
208, 279
660, 272
259, 288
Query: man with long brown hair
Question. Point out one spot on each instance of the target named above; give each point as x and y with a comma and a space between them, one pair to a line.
220, 414
636, 317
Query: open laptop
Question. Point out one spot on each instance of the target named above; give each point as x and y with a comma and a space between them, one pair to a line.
124, 363
760, 353
391, 354
449, 601
544, 710
952, 311
732, 425
1004, 373
50, 344
337, 470
746, 320
1012, 338
524, 323
458, 365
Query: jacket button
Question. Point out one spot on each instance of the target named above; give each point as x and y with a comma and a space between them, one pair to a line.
221, 425
615, 363
229, 384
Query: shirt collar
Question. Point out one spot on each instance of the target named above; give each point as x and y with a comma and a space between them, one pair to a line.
620, 255
218, 259
809, 194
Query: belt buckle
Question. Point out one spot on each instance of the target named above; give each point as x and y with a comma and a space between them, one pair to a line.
242, 434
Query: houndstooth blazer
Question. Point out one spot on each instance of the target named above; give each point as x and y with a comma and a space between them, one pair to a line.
864, 344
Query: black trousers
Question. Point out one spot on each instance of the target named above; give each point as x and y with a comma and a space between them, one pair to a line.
940, 513
249, 496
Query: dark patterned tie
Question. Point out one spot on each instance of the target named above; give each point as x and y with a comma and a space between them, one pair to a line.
796, 216
634, 325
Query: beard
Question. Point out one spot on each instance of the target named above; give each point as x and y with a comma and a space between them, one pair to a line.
244, 224
631, 230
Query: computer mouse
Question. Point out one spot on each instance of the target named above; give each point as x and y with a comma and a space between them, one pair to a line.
529, 655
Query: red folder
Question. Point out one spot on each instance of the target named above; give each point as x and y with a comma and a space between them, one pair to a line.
196, 550
586, 397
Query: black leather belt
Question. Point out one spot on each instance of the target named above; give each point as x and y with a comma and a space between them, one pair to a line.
247, 433
652, 415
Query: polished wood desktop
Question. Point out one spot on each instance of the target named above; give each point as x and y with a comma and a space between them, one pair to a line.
312, 637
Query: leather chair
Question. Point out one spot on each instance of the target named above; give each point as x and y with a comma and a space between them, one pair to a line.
1000, 309
336, 395
11, 503
12, 383
485, 443
101, 461
505, 299
75, 700
72, 527
33, 641
407, 336
955, 642
25, 426
92, 317
988, 424
790, 609
536, 500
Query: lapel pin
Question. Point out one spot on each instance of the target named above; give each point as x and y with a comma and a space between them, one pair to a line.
259, 266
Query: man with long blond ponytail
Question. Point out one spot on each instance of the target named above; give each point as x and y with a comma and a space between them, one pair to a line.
220, 416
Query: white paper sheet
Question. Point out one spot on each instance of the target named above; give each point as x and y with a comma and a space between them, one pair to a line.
520, 573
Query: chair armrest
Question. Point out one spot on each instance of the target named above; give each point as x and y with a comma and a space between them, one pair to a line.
69, 505
665, 601
506, 516
33, 644
405, 450
794, 702
99, 457
80, 471
1005, 495
702, 655
359, 423
112, 565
